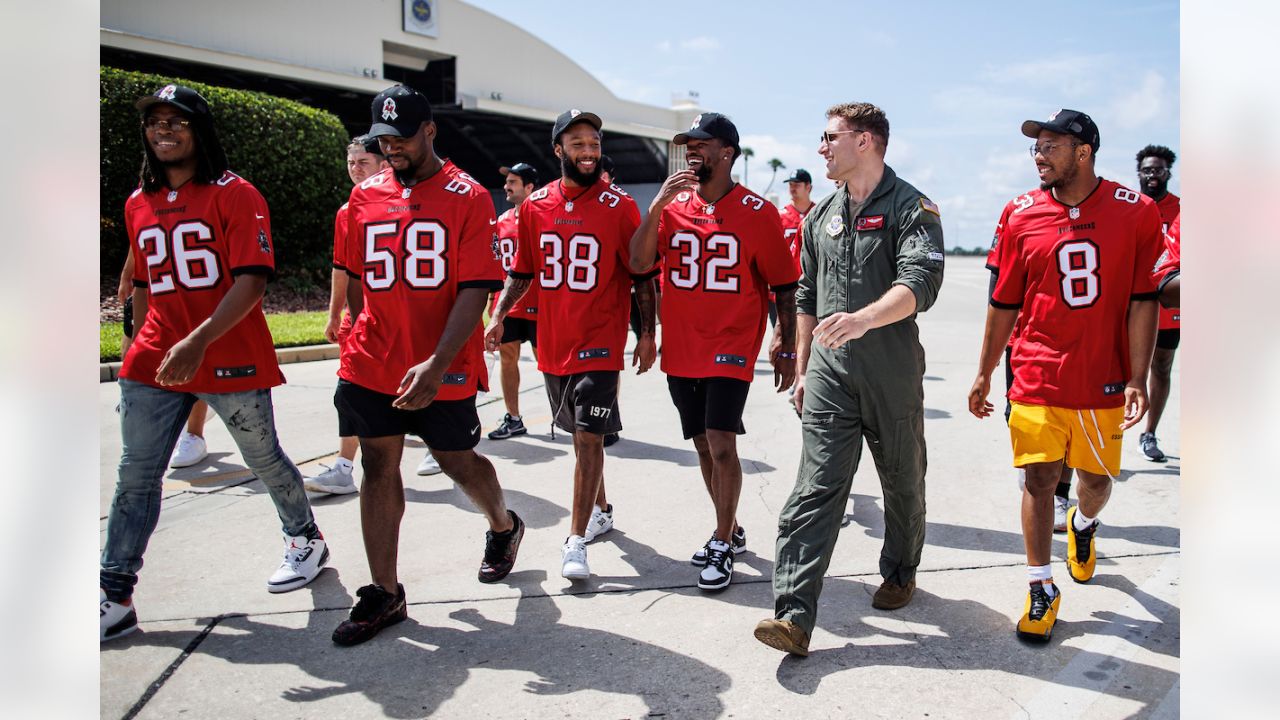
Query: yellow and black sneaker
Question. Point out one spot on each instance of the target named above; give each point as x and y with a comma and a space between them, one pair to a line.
1040, 614
1080, 552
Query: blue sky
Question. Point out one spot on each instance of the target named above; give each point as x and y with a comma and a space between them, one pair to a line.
955, 79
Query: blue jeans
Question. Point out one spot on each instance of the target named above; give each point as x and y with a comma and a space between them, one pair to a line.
151, 419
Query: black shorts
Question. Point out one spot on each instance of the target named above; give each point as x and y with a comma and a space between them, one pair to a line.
1168, 339
713, 403
585, 401
520, 330
448, 425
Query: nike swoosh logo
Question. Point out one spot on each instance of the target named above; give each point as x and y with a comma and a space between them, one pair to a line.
259, 217
475, 430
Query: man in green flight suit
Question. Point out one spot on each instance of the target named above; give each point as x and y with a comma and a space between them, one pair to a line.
872, 258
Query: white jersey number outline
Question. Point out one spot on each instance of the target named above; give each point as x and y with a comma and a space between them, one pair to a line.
1078, 270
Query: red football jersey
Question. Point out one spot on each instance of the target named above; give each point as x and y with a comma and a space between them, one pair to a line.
720, 261
1170, 205
189, 244
339, 260
1171, 259
577, 244
1073, 272
792, 222
508, 225
413, 249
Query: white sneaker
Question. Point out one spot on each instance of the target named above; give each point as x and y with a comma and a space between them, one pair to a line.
336, 480
600, 523
190, 450
575, 558
1060, 505
719, 569
114, 620
428, 466
303, 560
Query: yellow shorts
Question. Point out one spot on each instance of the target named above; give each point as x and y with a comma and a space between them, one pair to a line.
1090, 440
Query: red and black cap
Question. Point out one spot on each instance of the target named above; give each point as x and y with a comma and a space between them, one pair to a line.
1066, 122
569, 117
184, 98
399, 111
710, 125
526, 172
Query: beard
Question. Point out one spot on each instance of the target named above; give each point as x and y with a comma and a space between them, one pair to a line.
1062, 180
703, 172
571, 172
1157, 191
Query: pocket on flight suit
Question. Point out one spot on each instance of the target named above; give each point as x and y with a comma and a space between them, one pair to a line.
865, 245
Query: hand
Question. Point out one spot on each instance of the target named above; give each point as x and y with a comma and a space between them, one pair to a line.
784, 368
797, 398
125, 291
978, 404
838, 329
182, 361
493, 335
419, 387
672, 186
331, 328
1135, 404
645, 353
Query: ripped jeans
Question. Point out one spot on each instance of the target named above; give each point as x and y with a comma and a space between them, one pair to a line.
151, 419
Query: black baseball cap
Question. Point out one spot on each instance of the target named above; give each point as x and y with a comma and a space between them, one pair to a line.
1066, 122
570, 117
398, 111
710, 125
527, 172
184, 98
800, 175
368, 142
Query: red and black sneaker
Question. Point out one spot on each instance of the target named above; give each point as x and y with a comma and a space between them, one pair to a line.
500, 551
375, 610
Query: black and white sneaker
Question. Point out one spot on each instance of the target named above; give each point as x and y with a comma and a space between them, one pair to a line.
303, 561
510, 427
1149, 447
114, 619
719, 569
738, 541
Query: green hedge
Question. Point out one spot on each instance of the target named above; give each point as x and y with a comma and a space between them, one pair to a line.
292, 153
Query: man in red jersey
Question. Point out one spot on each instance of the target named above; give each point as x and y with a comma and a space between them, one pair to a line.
364, 158
574, 236
1155, 166
722, 249
202, 245
422, 251
1169, 268
800, 186
1075, 256
521, 324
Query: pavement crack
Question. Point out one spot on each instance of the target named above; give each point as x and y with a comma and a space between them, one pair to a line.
160, 681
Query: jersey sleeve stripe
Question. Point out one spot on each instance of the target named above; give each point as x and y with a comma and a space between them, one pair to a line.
141, 283
785, 287
340, 266
254, 270
484, 284
641, 277
1005, 306
1144, 296
520, 275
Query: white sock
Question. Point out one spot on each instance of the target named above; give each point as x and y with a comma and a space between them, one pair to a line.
1041, 574
1082, 522
344, 464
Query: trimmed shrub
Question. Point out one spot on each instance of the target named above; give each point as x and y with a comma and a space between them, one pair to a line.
292, 153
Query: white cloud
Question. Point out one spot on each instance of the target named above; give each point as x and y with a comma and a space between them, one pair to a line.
1139, 107
700, 43
1072, 76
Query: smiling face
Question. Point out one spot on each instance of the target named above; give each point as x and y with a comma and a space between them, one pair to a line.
708, 158
516, 189
172, 144
843, 152
1058, 159
578, 148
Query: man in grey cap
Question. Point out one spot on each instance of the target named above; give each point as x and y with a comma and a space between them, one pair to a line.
522, 322
872, 258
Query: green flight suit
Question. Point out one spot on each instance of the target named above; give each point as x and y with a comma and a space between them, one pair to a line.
871, 387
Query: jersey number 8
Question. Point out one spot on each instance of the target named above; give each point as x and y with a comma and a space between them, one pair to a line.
575, 265
425, 264
1078, 269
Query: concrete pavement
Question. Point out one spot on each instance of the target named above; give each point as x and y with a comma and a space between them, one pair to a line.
639, 639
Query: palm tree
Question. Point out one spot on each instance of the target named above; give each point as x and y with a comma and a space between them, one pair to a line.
747, 154
777, 165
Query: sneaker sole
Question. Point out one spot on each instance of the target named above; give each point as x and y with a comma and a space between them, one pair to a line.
330, 489
714, 587
515, 551
302, 581
187, 463
575, 575
589, 538
118, 632
780, 642
524, 431
362, 638
424, 473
